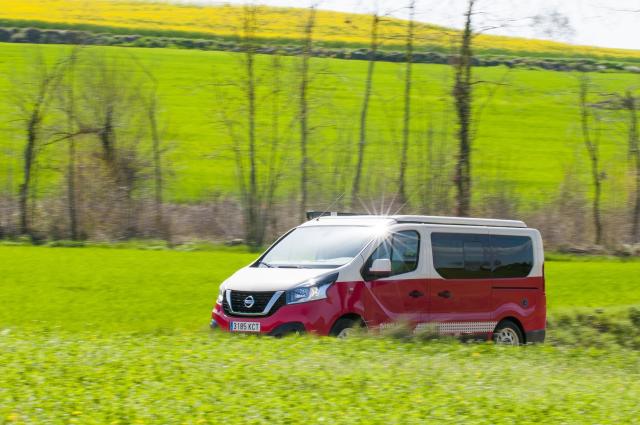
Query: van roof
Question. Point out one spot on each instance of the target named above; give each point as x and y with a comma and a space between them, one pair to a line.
373, 220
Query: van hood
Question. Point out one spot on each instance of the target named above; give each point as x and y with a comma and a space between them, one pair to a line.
270, 279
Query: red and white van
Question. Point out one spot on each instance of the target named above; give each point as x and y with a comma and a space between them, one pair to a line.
463, 276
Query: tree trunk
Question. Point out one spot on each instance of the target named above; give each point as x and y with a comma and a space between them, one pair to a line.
406, 129
355, 191
634, 151
157, 166
274, 159
254, 238
304, 112
594, 157
25, 187
462, 97
71, 190
71, 161
251, 125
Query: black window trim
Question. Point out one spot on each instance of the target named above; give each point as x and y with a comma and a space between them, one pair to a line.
392, 235
490, 250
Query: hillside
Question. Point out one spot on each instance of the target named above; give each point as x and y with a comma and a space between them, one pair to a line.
280, 25
527, 134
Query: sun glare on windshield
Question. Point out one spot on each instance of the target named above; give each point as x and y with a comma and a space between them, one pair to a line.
321, 246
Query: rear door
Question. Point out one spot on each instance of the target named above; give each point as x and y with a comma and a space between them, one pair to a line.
460, 287
403, 295
518, 281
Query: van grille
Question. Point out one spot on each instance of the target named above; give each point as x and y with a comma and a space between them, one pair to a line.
261, 299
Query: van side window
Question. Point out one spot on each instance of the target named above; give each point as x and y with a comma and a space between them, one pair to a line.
513, 256
404, 252
402, 248
461, 256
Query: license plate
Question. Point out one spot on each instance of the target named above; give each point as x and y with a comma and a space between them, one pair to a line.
245, 327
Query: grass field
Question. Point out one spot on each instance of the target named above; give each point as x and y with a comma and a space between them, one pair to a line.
527, 134
276, 24
97, 335
135, 290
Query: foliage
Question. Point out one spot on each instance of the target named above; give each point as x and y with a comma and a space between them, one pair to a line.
599, 328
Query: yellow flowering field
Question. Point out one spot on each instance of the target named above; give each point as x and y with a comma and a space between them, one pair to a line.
333, 28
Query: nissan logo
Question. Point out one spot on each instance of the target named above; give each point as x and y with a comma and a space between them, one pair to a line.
249, 301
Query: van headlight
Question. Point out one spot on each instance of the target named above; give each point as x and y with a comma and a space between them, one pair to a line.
220, 296
313, 289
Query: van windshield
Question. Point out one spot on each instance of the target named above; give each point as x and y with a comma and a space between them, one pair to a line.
318, 247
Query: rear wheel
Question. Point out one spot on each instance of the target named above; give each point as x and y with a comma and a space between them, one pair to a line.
346, 327
508, 333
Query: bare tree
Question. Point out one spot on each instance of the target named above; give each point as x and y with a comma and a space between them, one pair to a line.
249, 51
591, 144
67, 105
462, 97
630, 103
111, 111
276, 157
406, 125
33, 97
151, 110
364, 111
258, 170
304, 108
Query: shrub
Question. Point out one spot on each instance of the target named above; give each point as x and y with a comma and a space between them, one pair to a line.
5, 35
634, 317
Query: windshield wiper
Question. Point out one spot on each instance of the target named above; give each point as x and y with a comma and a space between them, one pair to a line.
271, 266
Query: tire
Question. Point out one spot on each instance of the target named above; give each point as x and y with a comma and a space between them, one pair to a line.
508, 333
345, 327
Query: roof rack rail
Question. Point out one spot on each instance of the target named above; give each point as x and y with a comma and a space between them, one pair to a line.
459, 221
316, 214
426, 219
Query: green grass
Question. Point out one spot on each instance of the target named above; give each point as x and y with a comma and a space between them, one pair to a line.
201, 378
528, 133
577, 284
94, 335
126, 288
139, 290
121, 289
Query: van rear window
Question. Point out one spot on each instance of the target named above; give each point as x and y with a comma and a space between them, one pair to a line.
513, 256
472, 256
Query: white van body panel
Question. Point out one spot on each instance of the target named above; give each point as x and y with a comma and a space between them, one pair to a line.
276, 279
270, 279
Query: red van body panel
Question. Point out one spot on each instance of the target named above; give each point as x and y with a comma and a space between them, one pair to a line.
469, 310
467, 300
523, 299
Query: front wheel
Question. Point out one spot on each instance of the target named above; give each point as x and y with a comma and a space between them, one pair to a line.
346, 327
508, 333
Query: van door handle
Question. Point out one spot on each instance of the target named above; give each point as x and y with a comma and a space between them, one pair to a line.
415, 294
444, 294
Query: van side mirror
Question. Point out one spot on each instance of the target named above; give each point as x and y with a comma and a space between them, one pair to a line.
381, 267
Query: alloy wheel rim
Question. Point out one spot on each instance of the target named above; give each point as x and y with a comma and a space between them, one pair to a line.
345, 333
507, 336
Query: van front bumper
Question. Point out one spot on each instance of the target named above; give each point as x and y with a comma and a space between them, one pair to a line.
314, 316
